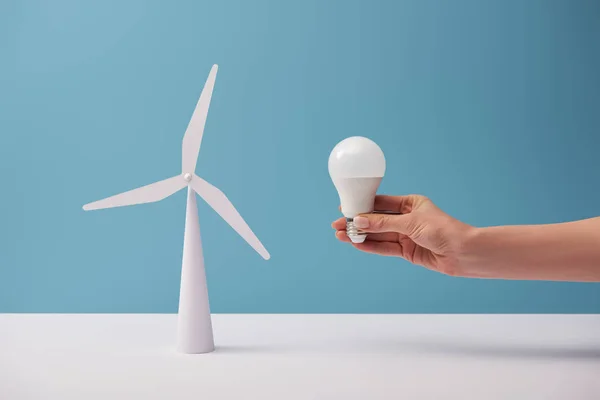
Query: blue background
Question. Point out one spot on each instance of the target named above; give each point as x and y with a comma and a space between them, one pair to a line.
491, 108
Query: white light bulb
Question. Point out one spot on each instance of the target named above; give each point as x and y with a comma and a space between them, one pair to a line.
356, 167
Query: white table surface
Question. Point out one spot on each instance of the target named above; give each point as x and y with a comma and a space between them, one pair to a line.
132, 356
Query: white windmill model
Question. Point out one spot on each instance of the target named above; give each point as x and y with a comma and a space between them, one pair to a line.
194, 330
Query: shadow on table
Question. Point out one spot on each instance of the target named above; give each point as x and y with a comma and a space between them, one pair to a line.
251, 349
429, 346
457, 348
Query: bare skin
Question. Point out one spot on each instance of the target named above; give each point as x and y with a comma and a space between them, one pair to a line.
425, 235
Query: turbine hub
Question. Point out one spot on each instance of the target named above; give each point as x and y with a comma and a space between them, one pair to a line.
187, 176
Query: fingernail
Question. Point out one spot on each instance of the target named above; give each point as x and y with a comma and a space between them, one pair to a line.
361, 222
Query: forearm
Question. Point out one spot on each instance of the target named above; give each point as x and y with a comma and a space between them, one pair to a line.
561, 252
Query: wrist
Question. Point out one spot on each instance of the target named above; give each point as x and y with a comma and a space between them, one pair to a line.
508, 252
470, 254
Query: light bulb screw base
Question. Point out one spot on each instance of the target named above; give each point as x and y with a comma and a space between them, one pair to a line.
355, 234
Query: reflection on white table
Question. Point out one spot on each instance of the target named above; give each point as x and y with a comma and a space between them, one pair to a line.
131, 356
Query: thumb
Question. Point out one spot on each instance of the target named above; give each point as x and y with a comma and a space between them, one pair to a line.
374, 223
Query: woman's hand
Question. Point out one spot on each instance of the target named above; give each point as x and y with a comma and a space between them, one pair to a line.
420, 233
423, 234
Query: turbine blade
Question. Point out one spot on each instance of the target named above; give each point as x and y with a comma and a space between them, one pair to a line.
146, 194
195, 129
221, 204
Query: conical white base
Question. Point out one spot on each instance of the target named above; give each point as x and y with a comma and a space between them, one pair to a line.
194, 326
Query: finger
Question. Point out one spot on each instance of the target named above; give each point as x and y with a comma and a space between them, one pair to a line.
403, 224
375, 237
339, 224
380, 248
399, 204
341, 236
383, 237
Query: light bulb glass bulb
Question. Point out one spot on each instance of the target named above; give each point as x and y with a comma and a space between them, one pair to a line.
356, 167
